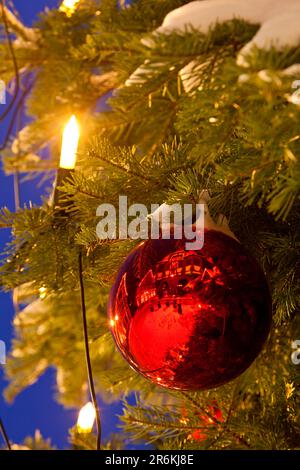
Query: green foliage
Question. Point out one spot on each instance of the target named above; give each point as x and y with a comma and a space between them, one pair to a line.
37, 443
87, 441
233, 133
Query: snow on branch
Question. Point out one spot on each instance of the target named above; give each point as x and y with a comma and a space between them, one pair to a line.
28, 34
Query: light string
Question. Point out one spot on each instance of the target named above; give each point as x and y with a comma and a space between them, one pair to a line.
15, 116
16, 69
5, 435
87, 353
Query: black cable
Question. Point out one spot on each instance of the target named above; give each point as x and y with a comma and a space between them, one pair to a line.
17, 190
4, 434
16, 69
2, 117
87, 353
14, 116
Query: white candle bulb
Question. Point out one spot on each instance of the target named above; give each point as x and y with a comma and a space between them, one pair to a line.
69, 145
86, 418
69, 6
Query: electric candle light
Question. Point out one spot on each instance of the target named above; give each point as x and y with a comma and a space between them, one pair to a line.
69, 6
86, 418
69, 147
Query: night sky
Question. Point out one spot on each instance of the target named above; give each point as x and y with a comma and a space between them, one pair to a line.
35, 408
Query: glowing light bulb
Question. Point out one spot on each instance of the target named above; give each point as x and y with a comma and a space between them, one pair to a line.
69, 6
42, 292
86, 418
70, 144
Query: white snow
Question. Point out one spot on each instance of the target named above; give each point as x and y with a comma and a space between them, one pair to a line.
293, 70
279, 20
23, 142
138, 76
29, 34
161, 214
190, 76
105, 79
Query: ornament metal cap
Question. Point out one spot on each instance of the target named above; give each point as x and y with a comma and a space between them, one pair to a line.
222, 224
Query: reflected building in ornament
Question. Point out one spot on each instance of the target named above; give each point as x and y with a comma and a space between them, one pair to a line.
121, 321
173, 277
190, 320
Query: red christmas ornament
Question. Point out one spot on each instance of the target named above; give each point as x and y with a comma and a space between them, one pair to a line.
190, 320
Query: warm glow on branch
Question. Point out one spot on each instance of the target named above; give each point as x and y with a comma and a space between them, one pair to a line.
69, 145
86, 418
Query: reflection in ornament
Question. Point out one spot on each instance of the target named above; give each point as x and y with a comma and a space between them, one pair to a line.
190, 319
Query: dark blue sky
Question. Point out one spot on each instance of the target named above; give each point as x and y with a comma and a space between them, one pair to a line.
35, 407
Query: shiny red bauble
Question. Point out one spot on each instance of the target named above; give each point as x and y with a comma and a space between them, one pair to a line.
190, 320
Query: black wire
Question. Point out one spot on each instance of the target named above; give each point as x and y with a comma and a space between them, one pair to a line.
17, 190
12, 52
4, 434
14, 116
2, 117
87, 353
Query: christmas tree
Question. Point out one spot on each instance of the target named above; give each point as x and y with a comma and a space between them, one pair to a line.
182, 115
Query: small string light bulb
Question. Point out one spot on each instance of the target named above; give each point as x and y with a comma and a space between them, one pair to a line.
86, 418
68, 157
69, 6
69, 146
